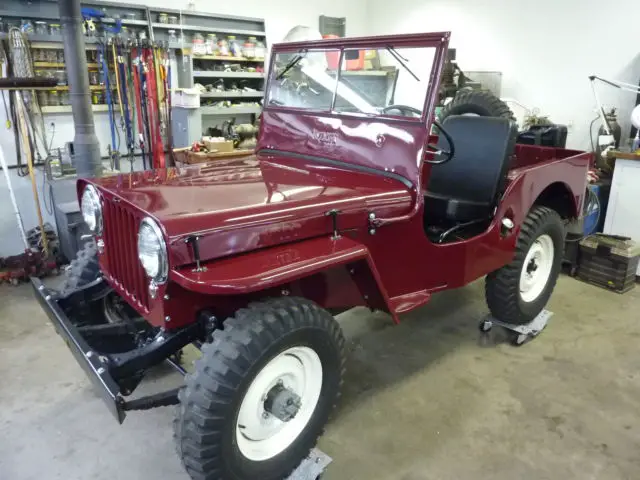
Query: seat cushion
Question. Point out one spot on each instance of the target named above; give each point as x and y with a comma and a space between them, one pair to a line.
467, 186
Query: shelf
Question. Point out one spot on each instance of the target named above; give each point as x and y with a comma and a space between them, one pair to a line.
54, 45
195, 28
67, 109
230, 110
228, 59
214, 74
232, 94
58, 65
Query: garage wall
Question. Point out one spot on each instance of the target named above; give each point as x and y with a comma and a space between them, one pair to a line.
280, 16
545, 49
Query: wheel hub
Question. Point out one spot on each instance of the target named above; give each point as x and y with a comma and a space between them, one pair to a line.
537, 268
282, 402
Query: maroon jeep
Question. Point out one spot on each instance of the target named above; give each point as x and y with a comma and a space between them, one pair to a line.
349, 200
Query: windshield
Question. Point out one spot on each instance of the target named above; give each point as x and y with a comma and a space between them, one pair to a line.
373, 82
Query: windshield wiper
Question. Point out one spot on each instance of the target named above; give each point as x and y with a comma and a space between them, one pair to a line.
294, 61
399, 58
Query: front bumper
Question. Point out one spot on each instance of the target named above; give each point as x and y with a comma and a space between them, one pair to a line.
90, 361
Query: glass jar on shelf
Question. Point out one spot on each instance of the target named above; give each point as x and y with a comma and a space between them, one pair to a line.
260, 50
61, 77
212, 44
234, 46
54, 98
223, 47
95, 98
197, 44
43, 98
54, 29
65, 98
41, 28
249, 47
60, 56
50, 55
172, 36
26, 26
173, 20
38, 55
163, 18
94, 77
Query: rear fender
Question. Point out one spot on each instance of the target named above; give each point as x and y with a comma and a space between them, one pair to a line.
335, 273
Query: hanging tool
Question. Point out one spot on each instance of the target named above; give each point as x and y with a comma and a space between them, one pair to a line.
137, 90
22, 114
114, 147
121, 85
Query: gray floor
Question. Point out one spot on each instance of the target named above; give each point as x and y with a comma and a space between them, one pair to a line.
429, 399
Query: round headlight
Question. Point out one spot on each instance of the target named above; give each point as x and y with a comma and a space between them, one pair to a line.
91, 209
152, 251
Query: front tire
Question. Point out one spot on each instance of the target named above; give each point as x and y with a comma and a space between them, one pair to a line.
517, 292
275, 359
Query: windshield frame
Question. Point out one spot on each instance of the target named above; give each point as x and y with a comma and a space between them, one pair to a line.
438, 41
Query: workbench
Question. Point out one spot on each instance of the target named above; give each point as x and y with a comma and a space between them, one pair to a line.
623, 211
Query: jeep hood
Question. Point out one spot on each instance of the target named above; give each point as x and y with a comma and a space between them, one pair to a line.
254, 202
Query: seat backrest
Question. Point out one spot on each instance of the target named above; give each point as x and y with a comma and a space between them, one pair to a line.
477, 172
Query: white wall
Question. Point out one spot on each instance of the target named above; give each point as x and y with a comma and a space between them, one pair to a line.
545, 49
280, 16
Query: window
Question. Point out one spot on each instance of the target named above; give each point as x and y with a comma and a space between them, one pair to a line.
384, 81
304, 79
385, 78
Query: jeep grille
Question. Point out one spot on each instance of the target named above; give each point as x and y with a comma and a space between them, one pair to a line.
122, 266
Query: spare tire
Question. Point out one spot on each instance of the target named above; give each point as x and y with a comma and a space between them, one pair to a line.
476, 102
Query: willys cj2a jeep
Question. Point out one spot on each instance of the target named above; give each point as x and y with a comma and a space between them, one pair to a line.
349, 200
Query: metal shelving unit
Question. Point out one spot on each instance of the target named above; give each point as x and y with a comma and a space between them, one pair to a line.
188, 24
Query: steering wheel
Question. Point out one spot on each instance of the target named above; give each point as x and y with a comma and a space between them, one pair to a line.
403, 109
448, 154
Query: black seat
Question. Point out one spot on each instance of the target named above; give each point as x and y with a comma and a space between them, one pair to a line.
466, 188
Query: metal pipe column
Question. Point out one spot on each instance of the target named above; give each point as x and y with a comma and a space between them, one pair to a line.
85, 142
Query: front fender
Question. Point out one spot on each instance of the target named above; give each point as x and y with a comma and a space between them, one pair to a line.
326, 264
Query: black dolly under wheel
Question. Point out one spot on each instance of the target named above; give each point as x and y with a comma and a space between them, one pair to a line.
261, 393
517, 292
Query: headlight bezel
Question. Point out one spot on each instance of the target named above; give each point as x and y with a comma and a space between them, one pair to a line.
163, 259
96, 200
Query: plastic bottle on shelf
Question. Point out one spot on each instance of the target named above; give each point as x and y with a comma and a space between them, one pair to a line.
234, 46
41, 28
26, 26
260, 50
212, 44
223, 47
197, 44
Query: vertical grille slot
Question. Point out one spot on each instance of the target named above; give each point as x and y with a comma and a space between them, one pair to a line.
120, 236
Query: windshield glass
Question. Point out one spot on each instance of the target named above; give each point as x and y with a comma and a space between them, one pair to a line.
373, 82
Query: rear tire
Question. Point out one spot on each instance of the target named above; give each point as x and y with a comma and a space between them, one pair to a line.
224, 428
518, 292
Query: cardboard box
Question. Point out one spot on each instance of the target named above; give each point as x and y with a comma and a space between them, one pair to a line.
219, 146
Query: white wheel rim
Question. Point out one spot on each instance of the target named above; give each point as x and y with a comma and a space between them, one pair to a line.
537, 268
260, 435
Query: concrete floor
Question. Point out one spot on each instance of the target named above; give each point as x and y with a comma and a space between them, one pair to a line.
429, 399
